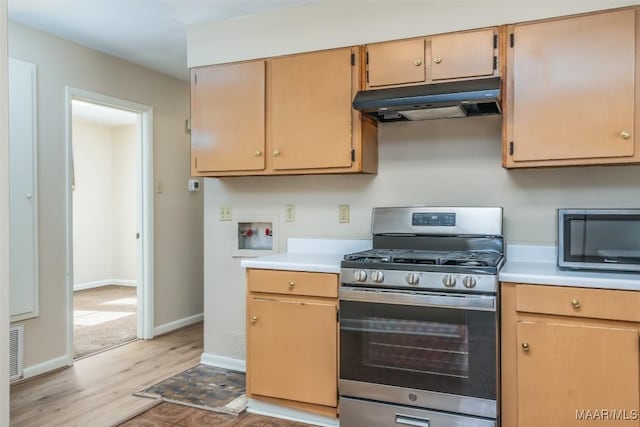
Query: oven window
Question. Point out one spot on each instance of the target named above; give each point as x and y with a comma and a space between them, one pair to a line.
425, 348
416, 346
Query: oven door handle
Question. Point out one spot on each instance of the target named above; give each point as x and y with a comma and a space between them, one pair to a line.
407, 420
423, 299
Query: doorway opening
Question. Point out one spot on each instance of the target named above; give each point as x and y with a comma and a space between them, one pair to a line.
109, 223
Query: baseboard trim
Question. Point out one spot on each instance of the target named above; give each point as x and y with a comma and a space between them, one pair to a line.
177, 324
100, 283
270, 410
223, 362
46, 366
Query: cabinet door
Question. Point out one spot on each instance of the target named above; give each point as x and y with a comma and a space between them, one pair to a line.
395, 63
461, 55
573, 88
293, 350
228, 117
569, 369
310, 110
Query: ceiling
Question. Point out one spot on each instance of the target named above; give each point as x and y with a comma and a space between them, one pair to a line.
150, 33
102, 115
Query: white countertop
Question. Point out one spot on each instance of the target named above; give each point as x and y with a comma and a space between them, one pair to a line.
313, 255
320, 263
537, 265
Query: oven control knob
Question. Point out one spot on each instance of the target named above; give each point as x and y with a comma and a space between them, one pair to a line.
360, 275
377, 276
449, 281
413, 278
469, 282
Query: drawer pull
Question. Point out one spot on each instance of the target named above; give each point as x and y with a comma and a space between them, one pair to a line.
437, 59
625, 135
417, 62
254, 319
525, 346
291, 285
575, 303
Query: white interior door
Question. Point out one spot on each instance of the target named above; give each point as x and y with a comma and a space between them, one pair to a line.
23, 234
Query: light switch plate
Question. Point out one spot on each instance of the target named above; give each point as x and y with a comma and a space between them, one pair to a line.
290, 213
343, 214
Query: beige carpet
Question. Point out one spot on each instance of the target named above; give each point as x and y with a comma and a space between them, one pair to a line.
103, 318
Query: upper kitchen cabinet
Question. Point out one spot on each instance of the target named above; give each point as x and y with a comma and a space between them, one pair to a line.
310, 110
228, 118
453, 56
571, 91
286, 115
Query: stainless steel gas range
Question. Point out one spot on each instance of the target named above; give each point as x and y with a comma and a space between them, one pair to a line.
418, 320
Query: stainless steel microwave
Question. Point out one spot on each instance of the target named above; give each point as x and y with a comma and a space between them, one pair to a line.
599, 239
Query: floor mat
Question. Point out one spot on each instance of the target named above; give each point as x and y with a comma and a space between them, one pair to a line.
204, 387
103, 318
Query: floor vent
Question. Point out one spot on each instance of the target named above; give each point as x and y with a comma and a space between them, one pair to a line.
16, 338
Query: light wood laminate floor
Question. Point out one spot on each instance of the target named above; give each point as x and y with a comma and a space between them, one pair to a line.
97, 391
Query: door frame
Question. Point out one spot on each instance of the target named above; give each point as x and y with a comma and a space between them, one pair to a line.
145, 210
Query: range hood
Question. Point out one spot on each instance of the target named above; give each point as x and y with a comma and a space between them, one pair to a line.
431, 101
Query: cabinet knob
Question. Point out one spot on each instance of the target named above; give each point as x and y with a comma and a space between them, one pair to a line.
291, 285
437, 59
276, 153
417, 62
525, 346
254, 319
258, 153
625, 135
575, 303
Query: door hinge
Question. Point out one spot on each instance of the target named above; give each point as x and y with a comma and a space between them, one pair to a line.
353, 58
367, 76
195, 78
366, 57
495, 41
511, 148
511, 40
196, 163
495, 62
353, 155
337, 315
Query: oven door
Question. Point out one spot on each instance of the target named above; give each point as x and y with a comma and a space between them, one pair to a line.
424, 349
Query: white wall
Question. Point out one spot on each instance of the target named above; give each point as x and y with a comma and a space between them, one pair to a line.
92, 206
440, 162
123, 208
177, 215
4, 219
104, 204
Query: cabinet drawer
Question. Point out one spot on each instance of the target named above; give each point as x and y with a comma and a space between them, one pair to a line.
293, 282
579, 302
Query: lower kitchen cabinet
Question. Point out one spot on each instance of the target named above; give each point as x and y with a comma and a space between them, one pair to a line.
569, 358
292, 339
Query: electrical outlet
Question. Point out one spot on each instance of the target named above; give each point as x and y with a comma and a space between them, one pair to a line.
291, 213
159, 187
225, 213
343, 214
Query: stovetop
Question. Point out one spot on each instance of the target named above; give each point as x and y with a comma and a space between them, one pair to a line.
420, 257
476, 262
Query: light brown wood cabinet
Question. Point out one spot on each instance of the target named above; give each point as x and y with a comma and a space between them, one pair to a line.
462, 55
568, 352
571, 91
292, 339
286, 115
228, 118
